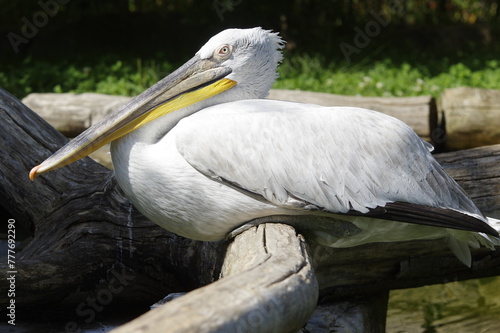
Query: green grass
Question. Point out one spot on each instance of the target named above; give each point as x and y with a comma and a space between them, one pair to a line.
385, 77
372, 77
109, 75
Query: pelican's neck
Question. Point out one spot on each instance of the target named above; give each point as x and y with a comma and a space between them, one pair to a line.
130, 147
153, 131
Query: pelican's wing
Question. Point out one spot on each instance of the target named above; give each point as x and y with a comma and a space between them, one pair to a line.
340, 159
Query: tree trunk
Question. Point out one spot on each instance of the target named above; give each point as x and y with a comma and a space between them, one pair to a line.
471, 115
84, 229
268, 285
73, 113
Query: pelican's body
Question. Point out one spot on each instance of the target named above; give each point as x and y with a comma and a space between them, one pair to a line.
279, 150
223, 157
290, 154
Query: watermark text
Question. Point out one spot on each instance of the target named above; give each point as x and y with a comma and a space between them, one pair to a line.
12, 272
31, 27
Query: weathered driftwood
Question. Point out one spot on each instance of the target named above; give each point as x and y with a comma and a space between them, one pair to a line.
268, 285
354, 314
73, 113
462, 118
86, 233
472, 117
70, 113
477, 170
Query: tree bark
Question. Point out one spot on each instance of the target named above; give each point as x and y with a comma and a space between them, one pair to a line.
471, 116
83, 228
267, 285
73, 113
86, 233
477, 170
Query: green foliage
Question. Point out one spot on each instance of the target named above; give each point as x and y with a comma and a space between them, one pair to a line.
385, 77
107, 76
389, 73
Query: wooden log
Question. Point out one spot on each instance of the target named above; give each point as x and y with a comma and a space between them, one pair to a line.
347, 272
268, 286
472, 117
477, 170
355, 314
73, 113
84, 230
70, 113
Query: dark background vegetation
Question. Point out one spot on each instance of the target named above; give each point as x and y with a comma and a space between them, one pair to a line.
88, 37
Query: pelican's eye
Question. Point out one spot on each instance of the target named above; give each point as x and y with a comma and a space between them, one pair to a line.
223, 52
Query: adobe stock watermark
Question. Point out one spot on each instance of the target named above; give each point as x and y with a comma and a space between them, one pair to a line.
30, 28
222, 6
88, 309
372, 29
12, 271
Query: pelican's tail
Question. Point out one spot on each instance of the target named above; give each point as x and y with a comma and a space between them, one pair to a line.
376, 231
460, 243
494, 223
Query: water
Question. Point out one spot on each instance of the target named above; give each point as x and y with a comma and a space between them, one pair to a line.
471, 306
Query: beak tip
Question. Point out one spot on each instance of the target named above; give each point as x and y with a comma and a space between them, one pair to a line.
33, 172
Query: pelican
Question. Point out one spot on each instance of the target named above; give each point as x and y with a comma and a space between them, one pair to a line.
201, 153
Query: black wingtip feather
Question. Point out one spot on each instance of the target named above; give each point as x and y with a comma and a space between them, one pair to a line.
431, 216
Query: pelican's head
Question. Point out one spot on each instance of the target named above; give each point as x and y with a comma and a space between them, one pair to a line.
233, 65
253, 56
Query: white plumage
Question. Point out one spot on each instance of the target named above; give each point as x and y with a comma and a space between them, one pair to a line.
346, 176
282, 152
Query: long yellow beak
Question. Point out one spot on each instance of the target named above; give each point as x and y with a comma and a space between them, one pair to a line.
193, 82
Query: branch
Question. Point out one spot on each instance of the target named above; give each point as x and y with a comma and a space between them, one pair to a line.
84, 228
268, 286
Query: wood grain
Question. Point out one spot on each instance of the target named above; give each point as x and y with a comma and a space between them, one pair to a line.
73, 113
85, 232
472, 117
268, 285
83, 228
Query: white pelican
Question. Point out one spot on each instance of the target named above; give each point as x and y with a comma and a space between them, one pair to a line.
201, 153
